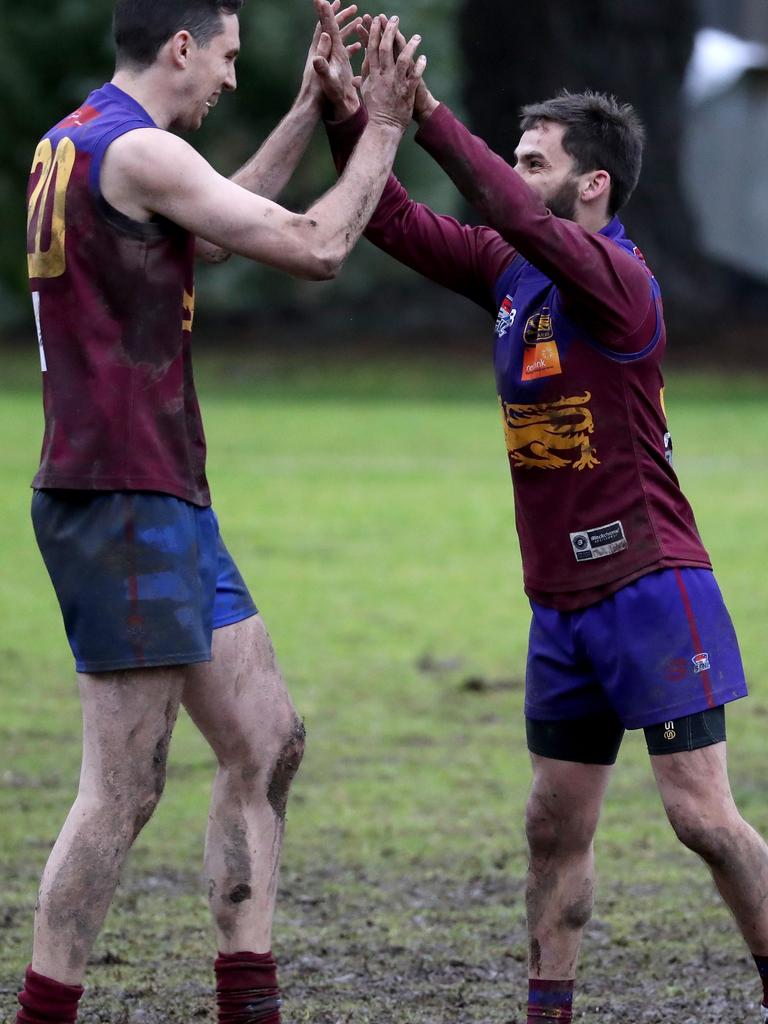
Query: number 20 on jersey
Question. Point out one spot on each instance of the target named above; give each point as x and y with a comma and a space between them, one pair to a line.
46, 223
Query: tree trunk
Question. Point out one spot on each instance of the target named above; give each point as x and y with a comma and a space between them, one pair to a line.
521, 53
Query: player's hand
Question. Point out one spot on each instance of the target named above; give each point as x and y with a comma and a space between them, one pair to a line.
391, 78
330, 49
424, 102
328, 64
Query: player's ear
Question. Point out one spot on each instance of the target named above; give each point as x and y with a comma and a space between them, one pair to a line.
180, 46
595, 185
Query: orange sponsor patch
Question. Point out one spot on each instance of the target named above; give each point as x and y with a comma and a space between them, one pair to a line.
542, 360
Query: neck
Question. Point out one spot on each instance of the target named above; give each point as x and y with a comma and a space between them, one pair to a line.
592, 220
146, 88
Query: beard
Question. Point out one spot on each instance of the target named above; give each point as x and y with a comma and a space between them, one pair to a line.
564, 200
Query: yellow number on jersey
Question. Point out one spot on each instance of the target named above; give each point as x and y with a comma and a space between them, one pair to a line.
56, 168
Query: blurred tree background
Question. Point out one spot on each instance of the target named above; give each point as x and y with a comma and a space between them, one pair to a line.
486, 58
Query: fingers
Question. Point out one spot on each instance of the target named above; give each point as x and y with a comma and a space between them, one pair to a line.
408, 52
323, 49
419, 68
343, 16
372, 50
364, 28
387, 43
327, 19
321, 66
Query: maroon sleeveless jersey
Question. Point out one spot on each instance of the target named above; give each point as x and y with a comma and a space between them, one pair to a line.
114, 303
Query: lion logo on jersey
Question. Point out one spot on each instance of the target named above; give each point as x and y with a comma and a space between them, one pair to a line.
534, 433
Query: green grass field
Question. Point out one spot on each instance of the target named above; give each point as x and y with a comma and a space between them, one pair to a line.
369, 507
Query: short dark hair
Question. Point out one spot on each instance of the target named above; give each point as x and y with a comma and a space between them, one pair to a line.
600, 134
141, 27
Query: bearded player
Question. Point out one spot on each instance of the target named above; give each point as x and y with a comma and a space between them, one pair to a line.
629, 630
156, 613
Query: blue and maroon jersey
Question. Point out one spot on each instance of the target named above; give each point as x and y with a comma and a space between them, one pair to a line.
578, 346
114, 303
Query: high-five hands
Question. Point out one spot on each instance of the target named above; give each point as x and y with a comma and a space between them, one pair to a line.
329, 52
392, 77
424, 102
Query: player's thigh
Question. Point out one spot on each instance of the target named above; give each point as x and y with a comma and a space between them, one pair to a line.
238, 700
565, 802
694, 785
128, 718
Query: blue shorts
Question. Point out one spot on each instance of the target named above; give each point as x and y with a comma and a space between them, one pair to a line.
142, 579
662, 647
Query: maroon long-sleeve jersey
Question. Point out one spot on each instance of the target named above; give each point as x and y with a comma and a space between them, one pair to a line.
579, 339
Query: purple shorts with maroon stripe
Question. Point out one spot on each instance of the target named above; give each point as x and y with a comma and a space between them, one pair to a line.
660, 648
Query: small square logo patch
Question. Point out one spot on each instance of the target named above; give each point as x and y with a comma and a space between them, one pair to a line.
599, 542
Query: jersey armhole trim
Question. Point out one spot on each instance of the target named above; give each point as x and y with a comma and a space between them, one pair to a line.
154, 229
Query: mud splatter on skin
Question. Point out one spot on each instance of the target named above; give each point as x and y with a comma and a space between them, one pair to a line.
79, 894
158, 770
534, 958
237, 876
240, 893
577, 914
286, 766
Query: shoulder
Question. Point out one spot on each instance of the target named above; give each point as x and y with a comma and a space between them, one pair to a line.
148, 166
145, 152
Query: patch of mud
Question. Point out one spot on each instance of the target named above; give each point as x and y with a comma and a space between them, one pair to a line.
427, 947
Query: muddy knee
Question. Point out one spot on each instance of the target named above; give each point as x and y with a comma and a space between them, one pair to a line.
714, 844
552, 835
285, 766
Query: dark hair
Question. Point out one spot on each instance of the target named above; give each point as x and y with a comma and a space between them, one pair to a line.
141, 27
600, 134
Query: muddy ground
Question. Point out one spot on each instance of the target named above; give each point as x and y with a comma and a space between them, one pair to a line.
420, 948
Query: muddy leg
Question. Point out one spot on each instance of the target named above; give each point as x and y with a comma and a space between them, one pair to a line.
240, 704
128, 718
561, 819
697, 798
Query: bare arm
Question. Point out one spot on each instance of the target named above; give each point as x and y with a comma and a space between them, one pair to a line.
158, 173
271, 168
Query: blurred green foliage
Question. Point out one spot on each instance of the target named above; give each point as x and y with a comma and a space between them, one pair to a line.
53, 54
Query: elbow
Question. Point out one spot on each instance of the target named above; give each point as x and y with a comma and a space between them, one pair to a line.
325, 264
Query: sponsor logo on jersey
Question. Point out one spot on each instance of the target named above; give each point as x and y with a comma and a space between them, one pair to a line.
701, 662
638, 253
540, 355
80, 117
506, 316
550, 435
599, 542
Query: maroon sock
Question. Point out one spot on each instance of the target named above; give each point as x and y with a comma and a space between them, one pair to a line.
762, 967
550, 1000
246, 988
45, 1001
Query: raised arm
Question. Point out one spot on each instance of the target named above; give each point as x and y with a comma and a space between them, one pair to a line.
271, 168
465, 259
160, 174
596, 277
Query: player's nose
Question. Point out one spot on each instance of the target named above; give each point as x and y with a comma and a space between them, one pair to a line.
230, 82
